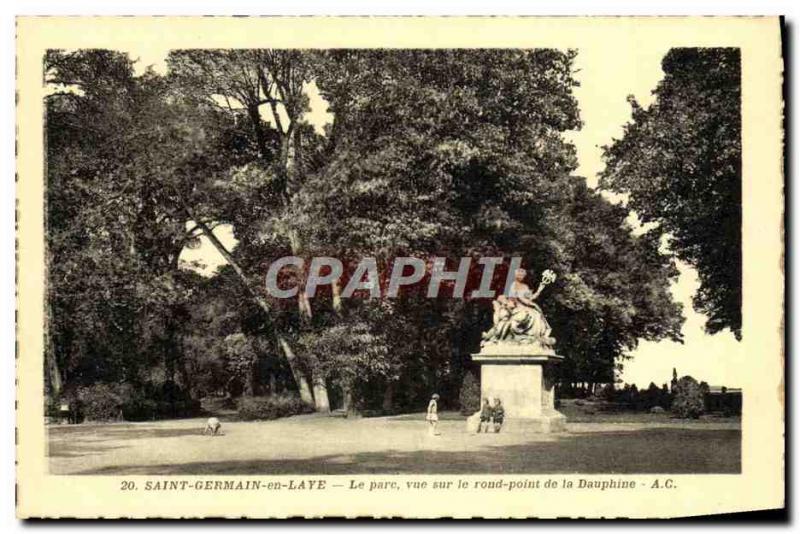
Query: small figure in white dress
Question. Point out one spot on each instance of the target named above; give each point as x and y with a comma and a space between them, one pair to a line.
433, 415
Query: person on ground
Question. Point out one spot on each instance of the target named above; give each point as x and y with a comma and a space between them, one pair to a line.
486, 417
433, 415
498, 414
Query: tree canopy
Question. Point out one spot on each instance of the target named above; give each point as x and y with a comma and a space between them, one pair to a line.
679, 161
430, 152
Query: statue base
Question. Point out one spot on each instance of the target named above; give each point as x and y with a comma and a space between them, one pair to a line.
521, 377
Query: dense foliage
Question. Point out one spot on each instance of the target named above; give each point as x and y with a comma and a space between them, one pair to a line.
688, 399
469, 397
429, 152
680, 162
633, 398
271, 407
100, 402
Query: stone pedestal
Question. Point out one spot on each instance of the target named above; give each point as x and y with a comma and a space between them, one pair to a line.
522, 380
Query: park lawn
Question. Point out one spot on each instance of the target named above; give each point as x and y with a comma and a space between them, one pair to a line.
315, 444
604, 412
600, 413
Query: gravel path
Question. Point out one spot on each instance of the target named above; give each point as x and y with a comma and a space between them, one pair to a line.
333, 445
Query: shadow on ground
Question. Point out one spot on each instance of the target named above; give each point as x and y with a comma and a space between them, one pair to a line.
661, 450
76, 441
69, 450
123, 432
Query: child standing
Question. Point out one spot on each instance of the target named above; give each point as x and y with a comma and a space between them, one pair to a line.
433, 415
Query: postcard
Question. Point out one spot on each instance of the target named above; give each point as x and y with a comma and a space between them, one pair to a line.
387, 267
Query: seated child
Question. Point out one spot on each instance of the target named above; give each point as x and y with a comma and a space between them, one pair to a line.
498, 414
486, 416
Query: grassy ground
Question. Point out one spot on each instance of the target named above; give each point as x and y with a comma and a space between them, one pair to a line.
315, 444
603, 412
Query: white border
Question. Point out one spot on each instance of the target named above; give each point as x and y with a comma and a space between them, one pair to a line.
341, 7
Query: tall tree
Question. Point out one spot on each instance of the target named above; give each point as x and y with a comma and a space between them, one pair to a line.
431, 152
255, 196
134, 178
462, 153
115, 290
427, 149
614, 287
680, 162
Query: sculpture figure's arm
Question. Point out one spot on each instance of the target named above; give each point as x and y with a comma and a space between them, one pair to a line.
548, 277
528, 300
538, 291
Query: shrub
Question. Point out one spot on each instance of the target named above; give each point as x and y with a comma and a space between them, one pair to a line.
649, 398
100, 402
111, 402
665, 398
608, 393
688, 401
187, 408
173, 401
271, 407
140, 408
52, 407
469, 398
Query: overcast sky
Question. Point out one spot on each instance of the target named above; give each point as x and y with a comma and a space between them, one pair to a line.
607, 75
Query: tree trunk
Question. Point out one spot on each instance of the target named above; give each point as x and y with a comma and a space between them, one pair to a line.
258, 131
388, 398
273, 384
321, 402
347, 401
252, 386
302, 382
336, 294
186, 378
303, 303
54, 377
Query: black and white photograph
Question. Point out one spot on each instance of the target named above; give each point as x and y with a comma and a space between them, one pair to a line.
507, 264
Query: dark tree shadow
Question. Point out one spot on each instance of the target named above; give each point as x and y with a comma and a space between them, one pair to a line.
662, 450
81, 446
70, 450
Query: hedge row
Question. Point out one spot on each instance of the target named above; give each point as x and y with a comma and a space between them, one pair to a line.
271, 407
116, 402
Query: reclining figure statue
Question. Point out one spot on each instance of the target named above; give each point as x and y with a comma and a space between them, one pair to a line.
517, 318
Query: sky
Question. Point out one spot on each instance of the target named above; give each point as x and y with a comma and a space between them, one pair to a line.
607, 76
607, 73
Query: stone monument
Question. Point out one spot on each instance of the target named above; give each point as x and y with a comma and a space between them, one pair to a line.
517, 359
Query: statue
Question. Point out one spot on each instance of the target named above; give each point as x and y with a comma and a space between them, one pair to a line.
517, 318
518, 356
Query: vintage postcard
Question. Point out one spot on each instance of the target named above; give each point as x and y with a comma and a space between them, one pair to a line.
489, 267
